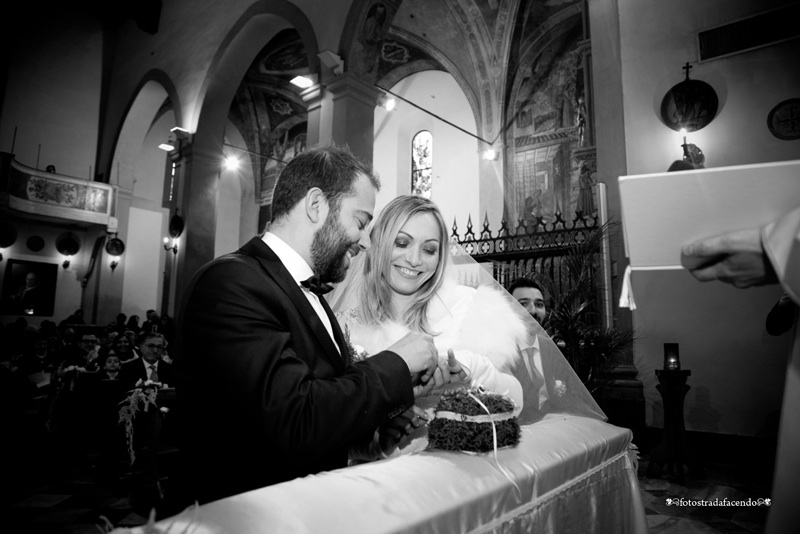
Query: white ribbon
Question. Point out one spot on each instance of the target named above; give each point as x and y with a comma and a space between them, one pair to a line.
492, 419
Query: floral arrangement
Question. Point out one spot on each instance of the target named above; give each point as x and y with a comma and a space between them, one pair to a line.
357, 352
474, 420
140, 398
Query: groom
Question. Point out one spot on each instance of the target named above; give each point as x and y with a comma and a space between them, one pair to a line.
265, 387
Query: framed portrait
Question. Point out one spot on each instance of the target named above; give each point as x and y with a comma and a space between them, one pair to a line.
29, 288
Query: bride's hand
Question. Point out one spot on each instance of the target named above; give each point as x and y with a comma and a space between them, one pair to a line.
454, 369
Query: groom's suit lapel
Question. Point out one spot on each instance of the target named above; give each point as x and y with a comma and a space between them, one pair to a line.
275, 269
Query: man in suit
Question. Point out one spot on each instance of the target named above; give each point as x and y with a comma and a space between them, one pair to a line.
265, 386
150, 366
530, 295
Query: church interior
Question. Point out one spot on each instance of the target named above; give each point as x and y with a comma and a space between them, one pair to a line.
141, 140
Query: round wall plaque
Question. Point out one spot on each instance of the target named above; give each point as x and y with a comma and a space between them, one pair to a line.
115, 246
691, 104
35, 243
784, 120
68, 244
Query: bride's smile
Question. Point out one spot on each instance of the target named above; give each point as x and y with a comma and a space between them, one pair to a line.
415, 254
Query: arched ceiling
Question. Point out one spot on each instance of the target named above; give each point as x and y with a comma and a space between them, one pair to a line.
482, 43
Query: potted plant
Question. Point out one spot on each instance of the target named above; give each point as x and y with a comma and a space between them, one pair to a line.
574, 322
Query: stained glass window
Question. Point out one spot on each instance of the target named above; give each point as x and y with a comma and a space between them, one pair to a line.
421, 164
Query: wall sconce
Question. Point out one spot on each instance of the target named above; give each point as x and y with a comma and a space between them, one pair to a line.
176, 225
169, 146
305, 81
67, 244
174, 247
115, 247
179, 136
386, 102
490, 154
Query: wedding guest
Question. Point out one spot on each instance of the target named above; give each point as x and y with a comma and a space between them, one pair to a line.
530, 295
119, 324
150, 366
124, 348
37, 357
133, 337
149, 426
404, 288
133, 324
756, 257
104, 391
266, 387
75, 318
166, 327
89, 346
151, 324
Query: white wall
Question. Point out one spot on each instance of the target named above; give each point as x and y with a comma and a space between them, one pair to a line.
737, 370
455, 154
144, 263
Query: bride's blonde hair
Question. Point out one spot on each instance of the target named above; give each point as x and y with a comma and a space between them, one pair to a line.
376, 295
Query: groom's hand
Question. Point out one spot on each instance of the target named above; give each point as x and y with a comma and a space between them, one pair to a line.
420, 355
397, 428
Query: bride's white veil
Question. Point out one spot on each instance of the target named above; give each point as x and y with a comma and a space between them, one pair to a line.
550, 385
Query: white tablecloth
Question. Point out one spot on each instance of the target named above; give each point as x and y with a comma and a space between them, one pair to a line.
568, 474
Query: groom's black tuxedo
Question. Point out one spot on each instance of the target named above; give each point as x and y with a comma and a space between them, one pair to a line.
264, 394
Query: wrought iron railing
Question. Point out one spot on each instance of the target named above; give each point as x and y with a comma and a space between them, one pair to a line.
534, 248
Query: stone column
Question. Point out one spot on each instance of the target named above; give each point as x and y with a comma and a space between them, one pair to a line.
198, 179
342, 112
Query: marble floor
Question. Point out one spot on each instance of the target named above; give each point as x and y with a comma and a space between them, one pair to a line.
57, 492
683, 507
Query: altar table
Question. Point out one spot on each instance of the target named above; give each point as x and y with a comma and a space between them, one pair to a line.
568, 474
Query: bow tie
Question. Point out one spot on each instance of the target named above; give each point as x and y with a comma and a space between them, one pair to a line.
316, 286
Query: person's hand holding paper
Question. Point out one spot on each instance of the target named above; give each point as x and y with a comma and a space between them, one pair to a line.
736, 258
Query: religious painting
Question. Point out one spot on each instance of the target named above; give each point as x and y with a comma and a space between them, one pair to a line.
29, 288
550, 128
534, 191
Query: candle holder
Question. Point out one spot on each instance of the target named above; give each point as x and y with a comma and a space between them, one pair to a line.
672, 360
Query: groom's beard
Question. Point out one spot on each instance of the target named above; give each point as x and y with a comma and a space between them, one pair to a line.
329, 250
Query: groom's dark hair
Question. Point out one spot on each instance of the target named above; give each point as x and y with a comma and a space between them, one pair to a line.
333, 169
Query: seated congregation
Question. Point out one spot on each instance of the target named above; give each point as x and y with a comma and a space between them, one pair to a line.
65, 386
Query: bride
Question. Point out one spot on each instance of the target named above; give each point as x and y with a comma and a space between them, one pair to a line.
414, 278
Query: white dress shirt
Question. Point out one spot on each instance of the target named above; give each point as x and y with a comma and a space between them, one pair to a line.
150, 368
300, 270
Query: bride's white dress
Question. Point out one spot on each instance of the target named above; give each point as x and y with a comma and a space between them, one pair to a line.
479, 325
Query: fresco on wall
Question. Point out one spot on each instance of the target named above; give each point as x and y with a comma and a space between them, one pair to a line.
547, 132
285, 147
375, 52
56, 195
